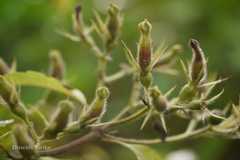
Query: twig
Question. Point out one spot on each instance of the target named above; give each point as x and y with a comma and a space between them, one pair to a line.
156, 141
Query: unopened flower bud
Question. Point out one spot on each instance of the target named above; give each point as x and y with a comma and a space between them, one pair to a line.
198, 70
8, 93
102, 93
25, 143
38, 119
4, 68
98, 107
145, 46
59, 121
57, 67
114, 23
158, 100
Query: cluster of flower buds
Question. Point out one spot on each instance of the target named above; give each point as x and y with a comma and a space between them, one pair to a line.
146, 61
109, 30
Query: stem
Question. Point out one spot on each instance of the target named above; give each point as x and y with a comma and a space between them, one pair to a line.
156, 141
124, 120
102, 65
64, 148
118, 75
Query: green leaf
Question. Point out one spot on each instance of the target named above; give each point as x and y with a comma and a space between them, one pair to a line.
36, 79
142, 152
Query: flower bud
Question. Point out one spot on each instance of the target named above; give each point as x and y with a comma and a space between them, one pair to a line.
145, 46
59, 121
8, 93
57, 67
158, 100
4, 68
114, 23
25, 143
198, 69
98, 106
102, 93
38, 119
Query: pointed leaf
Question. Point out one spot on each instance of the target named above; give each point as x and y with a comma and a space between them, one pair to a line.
37, 79
142, 152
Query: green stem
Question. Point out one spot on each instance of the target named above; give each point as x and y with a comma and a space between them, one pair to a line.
174, 138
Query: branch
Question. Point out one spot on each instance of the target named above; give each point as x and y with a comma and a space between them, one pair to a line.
64, 148
118, 75
179, 137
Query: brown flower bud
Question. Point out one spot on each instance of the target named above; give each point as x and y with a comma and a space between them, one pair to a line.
198, 69
145, 46
57, 67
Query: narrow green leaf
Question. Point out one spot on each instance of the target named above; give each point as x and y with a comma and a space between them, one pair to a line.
142, 152
36, 79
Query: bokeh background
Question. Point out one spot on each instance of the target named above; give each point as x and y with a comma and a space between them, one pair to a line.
28, 32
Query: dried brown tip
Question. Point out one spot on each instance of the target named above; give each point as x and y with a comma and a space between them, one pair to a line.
195, 45
78, 10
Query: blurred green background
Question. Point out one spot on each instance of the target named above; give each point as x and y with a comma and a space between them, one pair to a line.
28, 32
